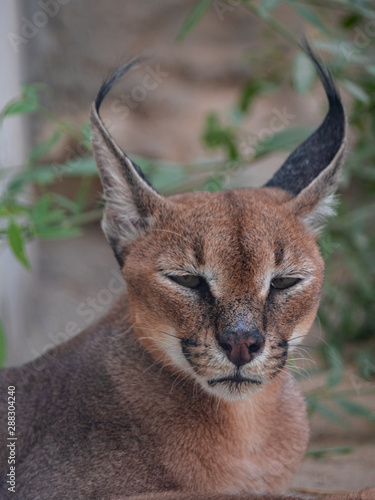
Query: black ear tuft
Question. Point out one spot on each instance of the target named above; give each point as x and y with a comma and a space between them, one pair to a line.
319, 150
105, 89
131, 201
112, 80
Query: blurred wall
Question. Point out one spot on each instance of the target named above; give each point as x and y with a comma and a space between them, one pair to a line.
15, 281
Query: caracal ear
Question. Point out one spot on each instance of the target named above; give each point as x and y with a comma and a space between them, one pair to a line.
131, 201
311, 172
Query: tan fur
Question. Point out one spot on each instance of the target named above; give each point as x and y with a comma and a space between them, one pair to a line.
148, 404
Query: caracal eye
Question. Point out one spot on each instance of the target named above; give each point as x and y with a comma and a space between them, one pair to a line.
187, 280
283, 283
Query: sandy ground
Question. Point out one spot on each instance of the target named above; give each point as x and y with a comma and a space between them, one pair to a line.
340, 471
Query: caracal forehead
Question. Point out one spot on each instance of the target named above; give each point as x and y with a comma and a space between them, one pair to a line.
249, 217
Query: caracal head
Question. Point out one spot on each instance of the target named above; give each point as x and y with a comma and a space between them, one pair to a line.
222, 285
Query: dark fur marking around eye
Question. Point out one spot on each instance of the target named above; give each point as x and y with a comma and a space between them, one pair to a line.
279, 254
206, 294
282, 344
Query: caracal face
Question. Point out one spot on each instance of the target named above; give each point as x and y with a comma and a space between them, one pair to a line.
236, 246
223, 285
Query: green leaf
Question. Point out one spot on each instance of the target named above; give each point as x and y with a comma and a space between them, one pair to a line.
303, 73
366, 363
284, 140
53, 233
193, 18
40, 210
81, 166
3, 344
370, 69
311, 400
351, 20
311, 17
39, 175
66, 203
218, 136
337, 366
364, 10
17, 244
86, 133
248, 94
356, 91
269, 5
321, 452
215, 183
344, 51
81, 196
53, 217
330, 414
167, 180
356, 409
28, 102
44, 147
84, 166
265, 7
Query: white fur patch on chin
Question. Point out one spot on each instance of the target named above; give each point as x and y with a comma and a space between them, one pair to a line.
295, 339
171, 346
222, 391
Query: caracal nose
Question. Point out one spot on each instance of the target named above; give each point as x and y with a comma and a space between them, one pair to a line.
241, 348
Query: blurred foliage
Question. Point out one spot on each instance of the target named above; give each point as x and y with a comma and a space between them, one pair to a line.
344, 31
323, 452
341, 395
